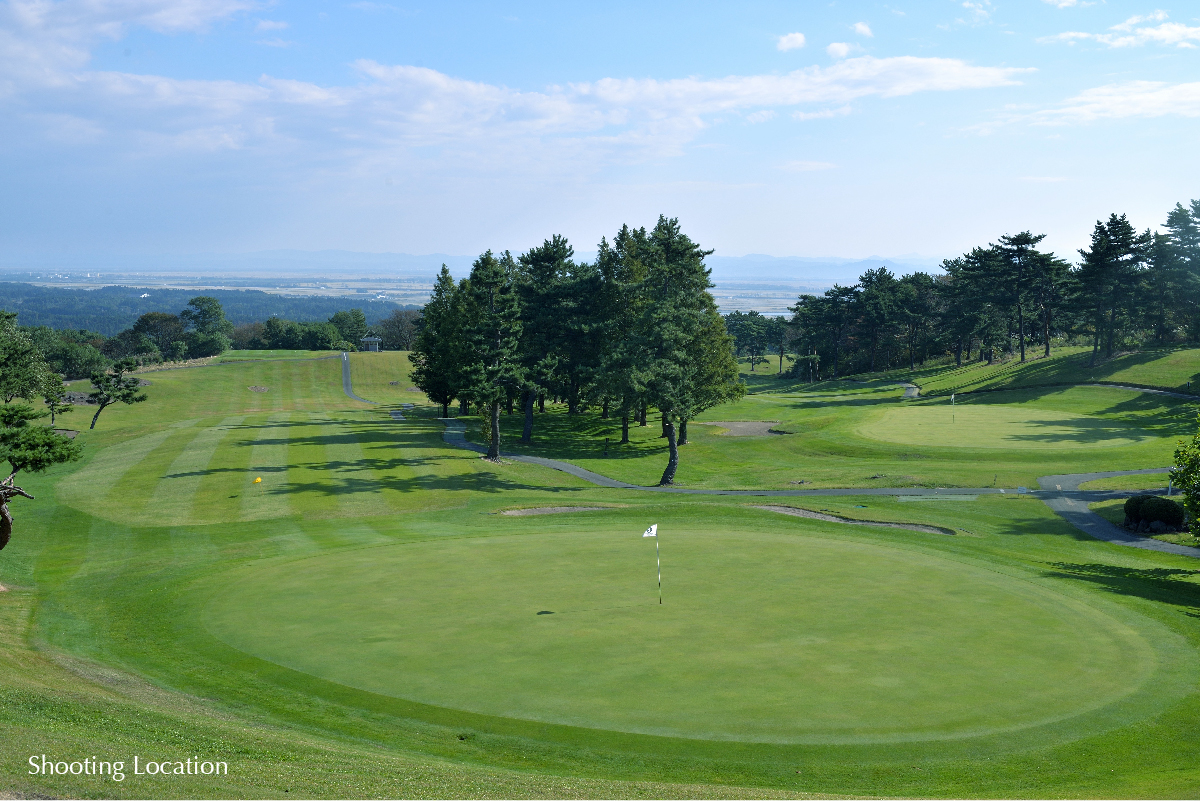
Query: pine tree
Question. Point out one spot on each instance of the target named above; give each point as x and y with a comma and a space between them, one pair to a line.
493, 338
438, 351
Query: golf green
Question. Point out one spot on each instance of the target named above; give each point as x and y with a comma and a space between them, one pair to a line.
763, 636
997, 426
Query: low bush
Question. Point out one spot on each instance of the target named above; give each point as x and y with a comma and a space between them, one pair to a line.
1150, 508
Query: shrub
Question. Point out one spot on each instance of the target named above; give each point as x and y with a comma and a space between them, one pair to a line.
1133, 507
1164, 509
1150, 508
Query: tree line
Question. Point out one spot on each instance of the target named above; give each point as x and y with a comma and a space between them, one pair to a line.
635, 330
109, 310
1128, 289
201, 329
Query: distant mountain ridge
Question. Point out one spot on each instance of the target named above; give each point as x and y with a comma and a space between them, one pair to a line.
752, 268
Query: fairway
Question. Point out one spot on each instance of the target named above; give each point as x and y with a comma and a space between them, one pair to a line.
764, 636
997, 426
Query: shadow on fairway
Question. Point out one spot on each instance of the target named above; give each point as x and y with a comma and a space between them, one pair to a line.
1041, 526
1160, 584
465, 482
1062, 370
1082, 430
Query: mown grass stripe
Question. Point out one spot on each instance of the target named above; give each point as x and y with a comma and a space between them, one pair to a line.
111, 464
225, 478
268, 460
120, 470
175, 493
360, 487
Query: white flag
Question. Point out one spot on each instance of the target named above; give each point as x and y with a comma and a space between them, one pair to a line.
652, 531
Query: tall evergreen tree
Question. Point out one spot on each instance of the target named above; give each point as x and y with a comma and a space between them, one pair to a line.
678, 318
1016, 257
493, 338
1109, 274
439, 351
622, 269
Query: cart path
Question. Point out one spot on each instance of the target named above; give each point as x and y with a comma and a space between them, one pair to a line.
346, 386
1061, 492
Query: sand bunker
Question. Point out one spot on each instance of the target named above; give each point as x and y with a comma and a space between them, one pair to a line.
791, 510
756, 428
553, 510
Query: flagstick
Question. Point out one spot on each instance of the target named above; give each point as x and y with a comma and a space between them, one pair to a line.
658, 559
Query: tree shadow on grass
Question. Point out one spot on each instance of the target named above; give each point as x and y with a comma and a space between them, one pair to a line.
1041, 526
468, 482
1083, 430
1160, 584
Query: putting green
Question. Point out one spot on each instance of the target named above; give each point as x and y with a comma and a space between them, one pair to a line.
764, 636
998, 426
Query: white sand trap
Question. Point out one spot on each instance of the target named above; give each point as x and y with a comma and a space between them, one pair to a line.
553, 510
791, 510
744, 428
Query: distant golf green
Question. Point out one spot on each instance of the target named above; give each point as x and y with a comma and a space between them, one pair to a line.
996, 426
765, 636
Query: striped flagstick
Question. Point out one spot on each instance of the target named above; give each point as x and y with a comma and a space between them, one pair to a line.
653, 532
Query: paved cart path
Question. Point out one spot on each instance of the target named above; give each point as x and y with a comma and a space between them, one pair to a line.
346, 387
1061, 493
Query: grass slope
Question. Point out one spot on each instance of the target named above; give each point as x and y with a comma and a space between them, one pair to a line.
154, 588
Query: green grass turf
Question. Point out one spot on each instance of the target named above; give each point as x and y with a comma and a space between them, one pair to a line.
129, 563
1147, 481
761, 637
863, 436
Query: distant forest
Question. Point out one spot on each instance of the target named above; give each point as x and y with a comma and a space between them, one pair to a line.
113, 309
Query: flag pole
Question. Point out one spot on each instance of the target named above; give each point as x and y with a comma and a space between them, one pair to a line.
658, 559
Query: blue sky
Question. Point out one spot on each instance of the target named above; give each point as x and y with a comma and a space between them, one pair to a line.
792, 129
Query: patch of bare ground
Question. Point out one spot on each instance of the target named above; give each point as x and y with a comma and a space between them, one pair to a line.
745, 428
553, 510
828, 518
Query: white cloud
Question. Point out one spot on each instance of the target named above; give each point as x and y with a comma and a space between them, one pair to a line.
1129, 99
980, 9
1127, 25
863, 29
44, 52
1066, 3
823, 114
42, 41
806, 166
790, 41
1129, 35
270, 25
838, 49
